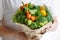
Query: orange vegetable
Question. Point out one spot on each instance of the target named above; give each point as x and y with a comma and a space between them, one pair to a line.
26, 5
27, 12
21, 7
28, 15
33, 18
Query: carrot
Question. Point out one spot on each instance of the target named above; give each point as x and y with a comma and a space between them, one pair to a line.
33, 18
28, 16
21, 7
27, 12
26, 5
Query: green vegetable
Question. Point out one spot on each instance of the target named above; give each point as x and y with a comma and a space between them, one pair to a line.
30, 6
41, 23
43, 19
49, 16
29, 22
33, 11
45, 22
33, 25
14, 19
37, 7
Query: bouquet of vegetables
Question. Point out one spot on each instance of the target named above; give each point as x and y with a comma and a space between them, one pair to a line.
33, 16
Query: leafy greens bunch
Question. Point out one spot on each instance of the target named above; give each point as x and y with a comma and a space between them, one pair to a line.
33, 16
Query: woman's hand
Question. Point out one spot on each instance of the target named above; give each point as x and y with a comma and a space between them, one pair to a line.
8, 34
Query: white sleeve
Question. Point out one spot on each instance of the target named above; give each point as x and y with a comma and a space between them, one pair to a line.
1, 11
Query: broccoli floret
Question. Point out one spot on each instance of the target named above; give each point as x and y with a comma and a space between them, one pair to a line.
35, 26
43, 21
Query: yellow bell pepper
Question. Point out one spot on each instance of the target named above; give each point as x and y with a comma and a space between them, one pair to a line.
43, 12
